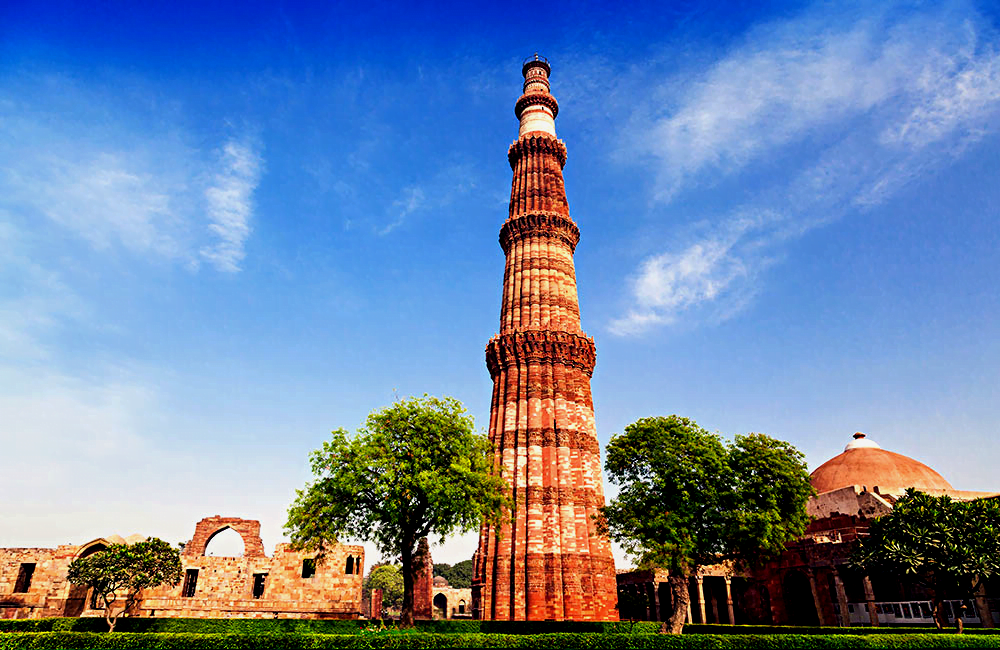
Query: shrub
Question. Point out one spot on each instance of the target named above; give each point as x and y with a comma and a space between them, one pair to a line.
398, 639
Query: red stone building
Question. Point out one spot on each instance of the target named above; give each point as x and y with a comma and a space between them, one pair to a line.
549, 563
812, 583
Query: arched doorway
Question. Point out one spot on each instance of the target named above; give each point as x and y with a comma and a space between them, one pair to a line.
440, 606
80, 598
800, 608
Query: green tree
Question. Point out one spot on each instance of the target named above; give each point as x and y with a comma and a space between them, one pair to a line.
414, 469
951, 547
458, 575
126, 569
389, 579
688, 500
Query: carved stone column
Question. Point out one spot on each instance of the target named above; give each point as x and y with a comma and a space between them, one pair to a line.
701, 598
729, 600
845, 615
870, 600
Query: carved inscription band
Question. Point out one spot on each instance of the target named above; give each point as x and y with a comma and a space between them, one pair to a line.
558, 496
545, 224
541, 347
542, 437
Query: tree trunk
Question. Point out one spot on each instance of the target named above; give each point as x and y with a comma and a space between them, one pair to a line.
937, 611
983, 607
680, 599
109, 616
409, 579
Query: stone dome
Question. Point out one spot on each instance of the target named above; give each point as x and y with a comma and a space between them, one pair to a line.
865, 463
440, 581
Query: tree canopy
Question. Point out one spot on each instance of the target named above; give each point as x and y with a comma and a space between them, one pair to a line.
688, 500
949, 546
389, 579
458, 575
415, 468
126, 569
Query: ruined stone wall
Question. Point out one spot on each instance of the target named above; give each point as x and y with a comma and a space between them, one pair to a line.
224, 588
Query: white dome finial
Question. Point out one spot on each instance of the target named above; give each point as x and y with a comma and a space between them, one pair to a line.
861, 442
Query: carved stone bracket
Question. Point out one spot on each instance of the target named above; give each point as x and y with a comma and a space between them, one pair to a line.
549, 224
540, 347
533, 99
537, 143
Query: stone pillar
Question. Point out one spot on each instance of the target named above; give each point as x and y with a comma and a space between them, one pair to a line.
729, 600
423, 588
689, 618
845, 615
870, 600
701, 599
815, 594
376, 604
656, 602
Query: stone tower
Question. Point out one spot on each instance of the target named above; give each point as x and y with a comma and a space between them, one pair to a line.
548, 563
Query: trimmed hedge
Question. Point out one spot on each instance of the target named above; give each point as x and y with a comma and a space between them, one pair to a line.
313, 626
803, 629
163, 641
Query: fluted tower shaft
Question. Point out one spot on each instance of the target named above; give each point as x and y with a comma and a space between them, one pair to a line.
548, 563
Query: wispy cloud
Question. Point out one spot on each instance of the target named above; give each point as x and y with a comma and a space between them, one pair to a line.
84, 160
230, 204
412, 199
877, 104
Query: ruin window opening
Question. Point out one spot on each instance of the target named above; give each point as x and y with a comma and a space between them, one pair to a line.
190, 583
308, 567
461, 607
93, 599
24, 574
258, 584
350, 565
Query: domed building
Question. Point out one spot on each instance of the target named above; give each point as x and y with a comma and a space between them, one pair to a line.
811, 582
865, 463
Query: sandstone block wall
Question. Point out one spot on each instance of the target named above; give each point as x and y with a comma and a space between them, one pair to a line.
224, 587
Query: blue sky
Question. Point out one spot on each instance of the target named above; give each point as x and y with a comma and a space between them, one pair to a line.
225, 231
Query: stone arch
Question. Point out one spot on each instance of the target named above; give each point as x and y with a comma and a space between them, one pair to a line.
462, 606
441, 605
226, 531
208, 527
91, 547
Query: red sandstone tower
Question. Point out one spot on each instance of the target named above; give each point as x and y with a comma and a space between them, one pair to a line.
549, 563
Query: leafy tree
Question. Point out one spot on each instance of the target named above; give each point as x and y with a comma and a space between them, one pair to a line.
415, 468
126, 569
688, 500
389, 579
951, 547
458, 575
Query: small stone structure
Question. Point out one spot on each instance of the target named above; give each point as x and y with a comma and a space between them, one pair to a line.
291, 584
450, 602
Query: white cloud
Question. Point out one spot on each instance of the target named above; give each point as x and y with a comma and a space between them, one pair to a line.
83, 160
875, 104
230, 205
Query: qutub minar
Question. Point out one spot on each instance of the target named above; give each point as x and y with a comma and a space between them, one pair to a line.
548, 563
